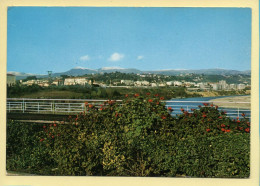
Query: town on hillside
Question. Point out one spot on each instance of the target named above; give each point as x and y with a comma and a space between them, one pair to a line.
193, 82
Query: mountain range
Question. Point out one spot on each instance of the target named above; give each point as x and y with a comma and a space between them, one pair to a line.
79, 71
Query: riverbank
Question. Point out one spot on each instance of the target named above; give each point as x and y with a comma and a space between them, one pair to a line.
233, 101
220, 93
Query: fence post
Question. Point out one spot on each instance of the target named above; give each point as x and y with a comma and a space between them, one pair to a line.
23, 105
9, 106
69, 107
38, 107
53, 107
238, 112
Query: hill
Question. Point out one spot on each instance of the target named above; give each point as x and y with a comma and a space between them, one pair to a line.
79, 71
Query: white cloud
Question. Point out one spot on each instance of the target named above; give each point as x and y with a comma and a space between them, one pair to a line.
140, 57
116, 57
84, 58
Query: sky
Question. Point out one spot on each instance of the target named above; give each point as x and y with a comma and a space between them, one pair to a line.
40, 39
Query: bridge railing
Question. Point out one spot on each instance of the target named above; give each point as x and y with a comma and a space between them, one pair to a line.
50, 105
24, 105
232, 109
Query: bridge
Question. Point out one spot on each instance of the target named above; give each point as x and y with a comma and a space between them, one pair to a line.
74, 106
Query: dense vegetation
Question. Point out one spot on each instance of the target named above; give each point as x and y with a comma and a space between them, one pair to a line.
138, 138
86, 92
19, 90
117, 76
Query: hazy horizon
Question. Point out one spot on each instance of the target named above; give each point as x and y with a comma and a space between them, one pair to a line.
112, 68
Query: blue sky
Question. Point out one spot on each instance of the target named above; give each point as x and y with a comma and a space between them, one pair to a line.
60, 38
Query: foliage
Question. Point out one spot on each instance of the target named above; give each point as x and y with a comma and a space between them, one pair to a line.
137, 138
88, 92
18, 90
30, 78
24, 152
232, 92
117, 76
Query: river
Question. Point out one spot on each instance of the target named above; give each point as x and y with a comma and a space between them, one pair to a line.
193, 103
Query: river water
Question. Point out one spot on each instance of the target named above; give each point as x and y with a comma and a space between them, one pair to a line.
193, 103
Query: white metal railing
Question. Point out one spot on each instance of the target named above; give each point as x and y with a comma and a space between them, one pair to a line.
25, 105
232, 109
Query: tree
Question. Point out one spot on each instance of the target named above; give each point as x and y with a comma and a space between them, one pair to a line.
30, 78
64, 76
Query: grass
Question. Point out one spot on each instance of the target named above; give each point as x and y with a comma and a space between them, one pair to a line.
54, 94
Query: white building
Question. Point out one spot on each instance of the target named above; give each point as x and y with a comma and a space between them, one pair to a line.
127, 82
57, 82
177, 83
31, 82
204, 86
162, 85
169, 83
43, 83
241, 86
77, 81
142, 83
215, 86
154, 85
233, 86
223, 85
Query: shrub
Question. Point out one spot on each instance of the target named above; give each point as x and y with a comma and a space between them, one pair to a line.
23, 150
140, 138
208, 119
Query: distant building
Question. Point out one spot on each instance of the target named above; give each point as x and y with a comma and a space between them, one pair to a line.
43, 83
154, 84
223, 85
127, 82
11, 79
189, 84
142, 83
31, 82
138, 83
215, 86
241, 86
77, 81
145, 83
162, 84
233, 86
204, 86
201, 85
177, 83
170, 83
58, 82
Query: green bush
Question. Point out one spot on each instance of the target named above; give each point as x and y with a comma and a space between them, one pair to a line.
140, 138
24, 151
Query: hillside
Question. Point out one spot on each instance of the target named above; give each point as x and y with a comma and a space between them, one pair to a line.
79, 71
